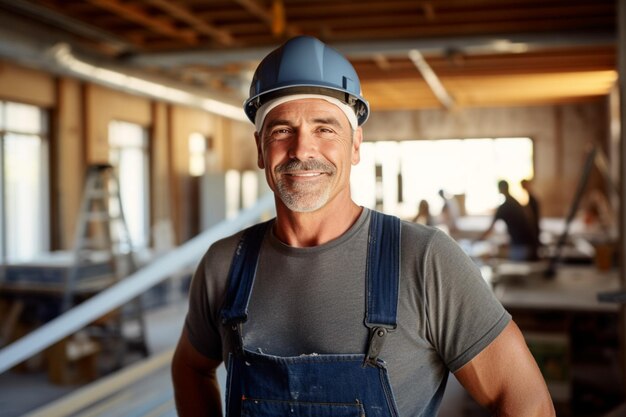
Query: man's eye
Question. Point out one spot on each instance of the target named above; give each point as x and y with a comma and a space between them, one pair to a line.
325, 130
280, 133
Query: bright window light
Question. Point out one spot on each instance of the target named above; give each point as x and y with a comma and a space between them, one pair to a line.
128, 153
249, 188
197, 154
470, 168
24, 202
233, 193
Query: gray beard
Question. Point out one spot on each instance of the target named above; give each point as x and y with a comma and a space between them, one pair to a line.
304, 198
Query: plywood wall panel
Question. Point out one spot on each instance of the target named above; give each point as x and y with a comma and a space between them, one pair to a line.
70, 162
240, 146
104, 105
26, 85
159, 172
183, 122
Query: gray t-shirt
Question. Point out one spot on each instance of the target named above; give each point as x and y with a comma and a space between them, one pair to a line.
312, 300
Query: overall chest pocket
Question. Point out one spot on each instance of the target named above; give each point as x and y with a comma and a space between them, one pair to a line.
272, 408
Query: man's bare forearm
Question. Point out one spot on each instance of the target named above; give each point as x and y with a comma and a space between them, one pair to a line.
196, 394
196, 390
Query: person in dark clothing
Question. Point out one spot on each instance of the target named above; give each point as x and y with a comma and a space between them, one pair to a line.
532, 208
522, 238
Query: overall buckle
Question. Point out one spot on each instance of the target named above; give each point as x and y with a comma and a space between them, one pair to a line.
375, 345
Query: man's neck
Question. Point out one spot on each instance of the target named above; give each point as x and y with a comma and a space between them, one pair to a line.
314, 228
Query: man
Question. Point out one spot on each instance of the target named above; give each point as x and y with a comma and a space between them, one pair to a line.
522, 234
533, 208
318, 311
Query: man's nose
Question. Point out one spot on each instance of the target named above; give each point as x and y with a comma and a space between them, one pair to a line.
303, 146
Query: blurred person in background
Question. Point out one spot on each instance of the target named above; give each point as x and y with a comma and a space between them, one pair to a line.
520, 228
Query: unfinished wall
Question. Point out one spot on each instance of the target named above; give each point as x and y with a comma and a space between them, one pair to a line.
230, 146
561, 136
26, 85
240, 147
80, 116
102, 105
68, 161
161, 210
184, 188
82, 112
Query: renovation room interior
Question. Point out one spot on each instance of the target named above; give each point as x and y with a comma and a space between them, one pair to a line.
148, 94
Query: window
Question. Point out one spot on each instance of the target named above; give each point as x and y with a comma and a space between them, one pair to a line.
471, 167
197, 154
242, 191
128, 153
24, 201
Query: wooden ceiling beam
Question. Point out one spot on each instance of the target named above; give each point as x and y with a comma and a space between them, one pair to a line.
433, 81
259, 10
585, 16
526, 89
182, 13
567, 59
138, 15
438, 11
347, 11
407, 73
408, 30
381, 62
243, 28
390, 81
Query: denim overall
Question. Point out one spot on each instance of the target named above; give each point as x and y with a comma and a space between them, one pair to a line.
315, 385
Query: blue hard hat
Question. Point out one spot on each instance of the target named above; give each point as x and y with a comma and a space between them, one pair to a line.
305, 65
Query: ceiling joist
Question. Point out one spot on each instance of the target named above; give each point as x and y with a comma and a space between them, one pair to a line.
272, 17
485, 52
137, 15
182, 13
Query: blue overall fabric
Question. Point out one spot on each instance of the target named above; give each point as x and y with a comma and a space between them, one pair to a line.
315, 385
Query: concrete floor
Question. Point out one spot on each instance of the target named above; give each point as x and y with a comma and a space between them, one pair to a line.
21, 392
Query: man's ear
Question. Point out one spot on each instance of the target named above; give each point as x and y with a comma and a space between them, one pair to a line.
259, 152
357, 139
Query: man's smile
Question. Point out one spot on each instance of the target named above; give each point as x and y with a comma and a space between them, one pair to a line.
304, 174
305, 169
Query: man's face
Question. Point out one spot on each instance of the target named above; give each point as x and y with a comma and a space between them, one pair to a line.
307, 148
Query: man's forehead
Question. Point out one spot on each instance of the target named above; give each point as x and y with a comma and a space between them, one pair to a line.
301, 103
308, 107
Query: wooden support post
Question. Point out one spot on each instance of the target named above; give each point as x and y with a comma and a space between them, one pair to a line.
621, 48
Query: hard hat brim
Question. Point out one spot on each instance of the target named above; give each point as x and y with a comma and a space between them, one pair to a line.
358, 103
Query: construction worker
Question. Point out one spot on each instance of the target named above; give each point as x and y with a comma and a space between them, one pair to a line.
332, 309
523, 241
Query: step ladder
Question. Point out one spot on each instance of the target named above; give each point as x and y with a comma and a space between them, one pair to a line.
102, 238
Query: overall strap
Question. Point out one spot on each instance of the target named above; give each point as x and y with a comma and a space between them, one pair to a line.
242, 273
383, 277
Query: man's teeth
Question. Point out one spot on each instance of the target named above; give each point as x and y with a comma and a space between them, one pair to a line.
307, 174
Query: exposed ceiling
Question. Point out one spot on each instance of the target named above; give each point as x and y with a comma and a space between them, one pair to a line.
481, 52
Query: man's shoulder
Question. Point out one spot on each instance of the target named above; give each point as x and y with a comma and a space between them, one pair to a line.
418, 228
225, 247
410, 228
419, 235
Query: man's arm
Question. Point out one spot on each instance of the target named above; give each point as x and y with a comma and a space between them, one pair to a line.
504, 377
486, 233
196, 391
